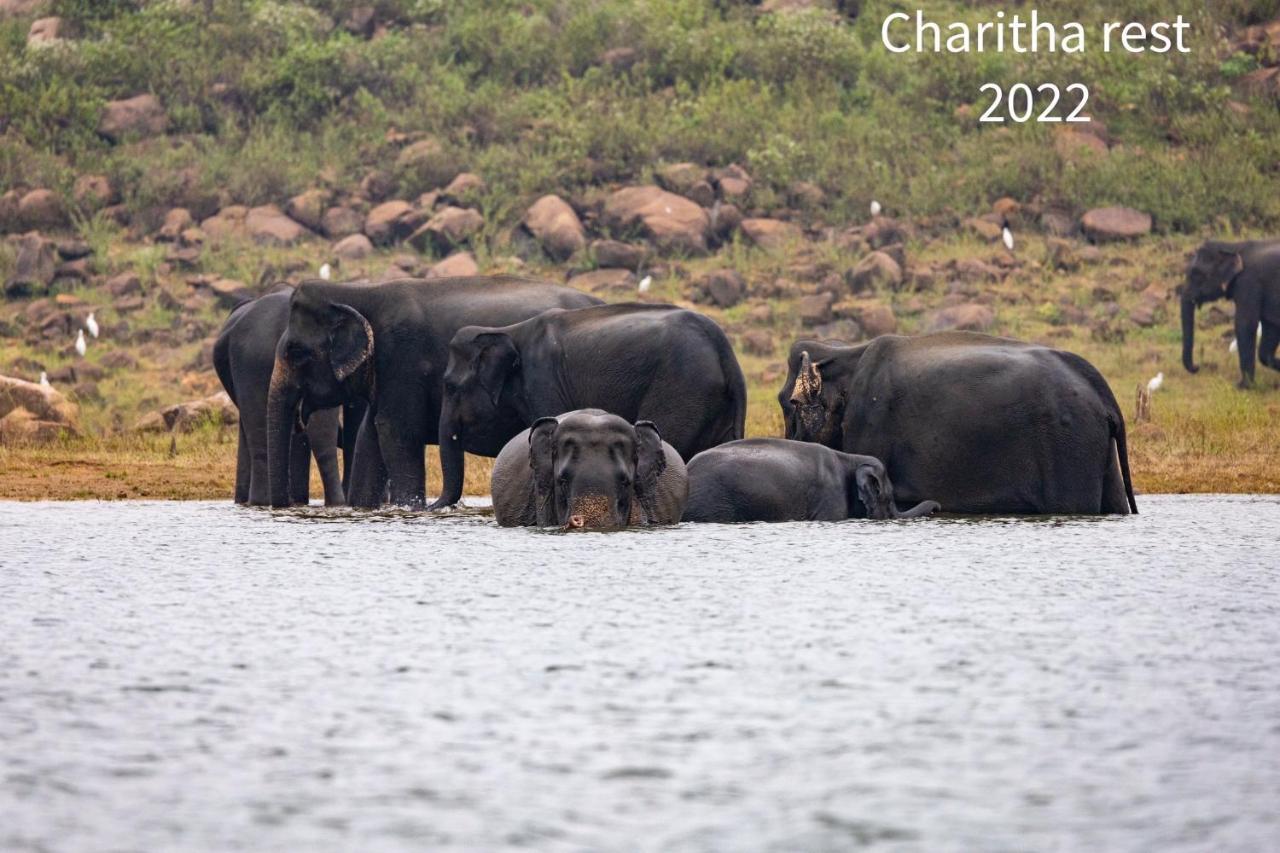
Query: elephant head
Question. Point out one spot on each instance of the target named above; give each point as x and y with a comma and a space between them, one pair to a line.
1209, 277
812, 405
869, 485
593, 470
324, 358
481, 385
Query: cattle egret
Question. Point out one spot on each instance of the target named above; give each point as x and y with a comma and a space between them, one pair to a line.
91, 323
875, 208
1007, 236
1235, 346
44, 379
325, 271
1155, 383
81, 346
645, 282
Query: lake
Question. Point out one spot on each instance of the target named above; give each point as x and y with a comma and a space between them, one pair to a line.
197, 676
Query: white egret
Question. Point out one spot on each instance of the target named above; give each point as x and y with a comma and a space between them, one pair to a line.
91, 323
44, 379
81, 346
1155, 383
1007, 236
645, 282
325, 271
1235, 347
875, 208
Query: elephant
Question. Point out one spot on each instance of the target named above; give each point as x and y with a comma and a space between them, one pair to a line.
588, 470
774, 479
1248, 274
979, 423
243, 357
640, 361
386, 344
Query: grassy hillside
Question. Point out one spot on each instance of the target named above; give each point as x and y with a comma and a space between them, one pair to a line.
262, 101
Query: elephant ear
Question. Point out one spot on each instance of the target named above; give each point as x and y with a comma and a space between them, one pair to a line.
1229, 265
875, 491
495, 360
542, 459
350, 341
651, 461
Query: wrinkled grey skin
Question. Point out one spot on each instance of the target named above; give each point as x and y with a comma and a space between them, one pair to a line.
1249, 275
244, 357
589, 470
774, 479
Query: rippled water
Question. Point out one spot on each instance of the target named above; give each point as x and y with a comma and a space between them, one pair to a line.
203, 677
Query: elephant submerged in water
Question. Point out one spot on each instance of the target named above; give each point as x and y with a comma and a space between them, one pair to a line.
588, 469
977, 423
387, 345
642, 362
774, 479
1249, 275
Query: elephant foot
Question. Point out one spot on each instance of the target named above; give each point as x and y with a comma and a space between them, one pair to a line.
439, 504
1245, 384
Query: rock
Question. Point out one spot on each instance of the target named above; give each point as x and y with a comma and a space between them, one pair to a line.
22, 8
119, 360
47, 31
228, 222
556, 226
354, 247
73, 249
9, 220
124, 284
139, 116
884, 231
1006, 208
761, 314
1154, 293
128, 304
806, 195
1262, 83
1145, 314
187, 417
875, 318
464, 187
427, 163
77, 270
620, 59
723, 288
702, 194
339, 222
457, 265
449, 228
975, 269
757, 342
876, 271
771, 233
613, 253
733, 182
680, 178
184, 257
29, 412
1057, 223
42, 209
1062, 255
984, 229
34, 267
384, 224
268, 226
377, 185
602, 280
176, 221
1072, 144
360, 21
969, 316
230, 292
308, 208
815, 309
1110, 224
671, 222
726, 219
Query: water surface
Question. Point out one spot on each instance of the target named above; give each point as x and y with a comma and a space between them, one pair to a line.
205, 677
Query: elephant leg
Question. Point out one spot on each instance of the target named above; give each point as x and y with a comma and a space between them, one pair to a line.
368, 484
1115, 500
1247, 341
322, 433
406, 467
243, 467
255, 432
352, 418
299, 469
1267, 347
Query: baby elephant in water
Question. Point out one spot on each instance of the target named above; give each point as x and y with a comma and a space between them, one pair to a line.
773, 479
588, 469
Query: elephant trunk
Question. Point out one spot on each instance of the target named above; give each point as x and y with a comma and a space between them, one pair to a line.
452, 461
1189, 334
921, 510
282, 406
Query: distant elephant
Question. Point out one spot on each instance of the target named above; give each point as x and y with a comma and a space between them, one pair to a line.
980, 424
243, 357
643, 362
774, 479
588, 470
1249, 275
386, 344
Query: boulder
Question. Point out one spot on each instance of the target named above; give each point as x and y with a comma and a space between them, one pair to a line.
176, 221
556, 226
228, 222
876, 271
1146, 314
725, 219
605, 280
47, 31
968, 316
815, 309
669, 221
1062, 254
457, 265
1073, 144
1058, 223
187, 417
733, 182
614, 253
338, 222
34, 269
377, 185
771, 233
268, 226
426, 163
9, 220
230, 292
757, 342
806, 195
1111, 224
22, 8
449, 228
384, 225
124, 284
139, 116
875, 318
73, 249
360, 21
464, 187
128, 304
722, 288
33, 413
353, 247
680, 178
308, 208
42, 209
984, 229
884, 231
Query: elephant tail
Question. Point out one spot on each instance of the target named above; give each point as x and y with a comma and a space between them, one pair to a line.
1115, 418
1122, 450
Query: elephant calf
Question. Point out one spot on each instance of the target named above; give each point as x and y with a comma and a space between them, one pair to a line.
773, 479
588, 469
